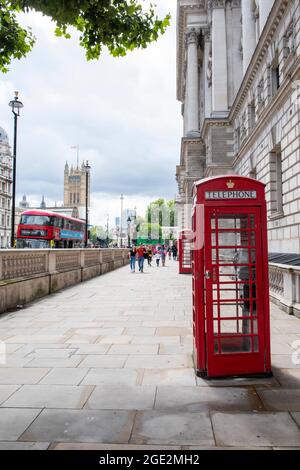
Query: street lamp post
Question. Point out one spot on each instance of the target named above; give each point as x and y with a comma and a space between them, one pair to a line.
121, 228
128, 230
107, 231
87, 171
15, 105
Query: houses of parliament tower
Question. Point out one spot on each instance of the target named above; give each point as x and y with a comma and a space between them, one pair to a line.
75, 181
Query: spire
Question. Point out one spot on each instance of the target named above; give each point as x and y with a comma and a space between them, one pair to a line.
66, 167
43, 204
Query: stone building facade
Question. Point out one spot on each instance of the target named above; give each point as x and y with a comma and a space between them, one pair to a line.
75, 180
238, 79
5, 189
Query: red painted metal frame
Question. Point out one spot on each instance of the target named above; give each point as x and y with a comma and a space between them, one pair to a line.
184, 243
211, 362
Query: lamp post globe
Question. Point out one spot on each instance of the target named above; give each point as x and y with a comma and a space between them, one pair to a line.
15, 106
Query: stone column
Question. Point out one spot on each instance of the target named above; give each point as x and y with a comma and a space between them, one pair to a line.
208, 72
265, 7
249, 32
219, 59
192, 85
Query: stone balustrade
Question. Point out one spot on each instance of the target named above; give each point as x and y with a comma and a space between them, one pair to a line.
26, 275
284, 282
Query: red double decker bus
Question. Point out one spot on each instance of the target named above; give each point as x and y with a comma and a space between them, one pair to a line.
44, 229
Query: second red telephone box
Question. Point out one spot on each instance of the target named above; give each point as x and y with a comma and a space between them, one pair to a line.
184, 251
230, 278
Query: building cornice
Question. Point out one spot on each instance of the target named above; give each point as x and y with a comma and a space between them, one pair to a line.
277, 102
188, 141
212, 122
184, 7
261, 50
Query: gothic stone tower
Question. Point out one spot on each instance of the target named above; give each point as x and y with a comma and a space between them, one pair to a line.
75, 186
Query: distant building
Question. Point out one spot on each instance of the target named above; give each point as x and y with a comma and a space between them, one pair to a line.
5, 189
24, 203
43, 204
75, 188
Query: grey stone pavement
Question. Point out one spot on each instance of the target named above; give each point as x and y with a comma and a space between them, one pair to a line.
107, 364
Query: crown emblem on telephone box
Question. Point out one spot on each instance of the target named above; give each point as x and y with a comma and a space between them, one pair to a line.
230, 184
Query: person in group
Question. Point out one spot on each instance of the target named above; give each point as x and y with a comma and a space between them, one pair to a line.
149, 253
163, 255
132, 255
140, 255
169, 252
174, 251
157, 257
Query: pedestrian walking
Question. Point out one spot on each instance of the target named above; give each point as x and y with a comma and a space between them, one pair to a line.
174, 251
140, 255
132, 255
169, 252
163, 256
150, 254
157, 258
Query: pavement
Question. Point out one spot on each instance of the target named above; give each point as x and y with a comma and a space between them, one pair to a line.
107, 364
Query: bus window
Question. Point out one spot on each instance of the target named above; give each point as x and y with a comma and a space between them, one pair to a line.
36, 220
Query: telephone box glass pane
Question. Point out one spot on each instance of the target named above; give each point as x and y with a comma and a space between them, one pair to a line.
186, 253
233, 275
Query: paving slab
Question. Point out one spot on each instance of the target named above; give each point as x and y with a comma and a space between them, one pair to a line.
205, 398
117, 376
13, 422
52, 353
81, 426
73, 361
132, 349
163, 428
24, 445
173, 331
104, 361
175, 340
64, 376
255, 429
122, 397
6, 391
19, 375
82, 339
108, 340
49, 396
296, 417
281, 400
288, 378
169, 377
112, 447
159, 361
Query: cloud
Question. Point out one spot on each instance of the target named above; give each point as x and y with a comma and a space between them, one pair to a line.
122, 112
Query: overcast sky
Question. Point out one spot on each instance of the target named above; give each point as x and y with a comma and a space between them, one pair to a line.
122, 112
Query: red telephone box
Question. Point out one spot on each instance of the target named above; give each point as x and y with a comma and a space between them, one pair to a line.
231, 321
184, 253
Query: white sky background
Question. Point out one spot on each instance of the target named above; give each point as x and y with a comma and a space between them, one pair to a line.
122, 112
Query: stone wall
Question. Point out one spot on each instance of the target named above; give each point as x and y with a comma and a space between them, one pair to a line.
284, 284
26, 275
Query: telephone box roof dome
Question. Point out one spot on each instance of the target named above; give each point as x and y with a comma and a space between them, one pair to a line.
3, 135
